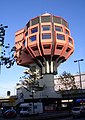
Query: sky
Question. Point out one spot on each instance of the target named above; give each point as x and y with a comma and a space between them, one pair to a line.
16, 13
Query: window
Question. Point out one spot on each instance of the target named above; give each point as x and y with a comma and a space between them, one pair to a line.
67, 32
68, 49
46, 46
45, 19
35, 21
34, 48
25, 108
46, 36
46, 27
56, 19
64, 23
33, 30
59, 47
33, 38
70, 41
58, 28
60, 37
24, 43
26, 34
35, 106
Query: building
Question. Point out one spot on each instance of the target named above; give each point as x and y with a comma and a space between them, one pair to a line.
53, 97
77, 82
45, 42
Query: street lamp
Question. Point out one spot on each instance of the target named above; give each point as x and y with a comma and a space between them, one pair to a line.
79, 71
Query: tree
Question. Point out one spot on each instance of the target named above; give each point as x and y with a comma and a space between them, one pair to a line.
67, 81
6, 54
30, 81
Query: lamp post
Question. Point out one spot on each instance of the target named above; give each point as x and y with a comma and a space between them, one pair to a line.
33, 91
79, 71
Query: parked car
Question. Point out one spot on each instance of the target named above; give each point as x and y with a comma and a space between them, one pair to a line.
77, 111
10, 113
5, 108
82, 112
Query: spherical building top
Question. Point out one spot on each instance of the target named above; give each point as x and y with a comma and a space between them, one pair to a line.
45, 40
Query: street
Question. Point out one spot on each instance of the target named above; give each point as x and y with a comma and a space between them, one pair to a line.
34, 118
68, 118
61, 115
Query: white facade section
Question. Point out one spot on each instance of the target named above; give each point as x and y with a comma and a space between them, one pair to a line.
58, 85
47, 64
52, 66
47, 83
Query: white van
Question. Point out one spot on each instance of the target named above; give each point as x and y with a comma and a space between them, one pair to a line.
31, 108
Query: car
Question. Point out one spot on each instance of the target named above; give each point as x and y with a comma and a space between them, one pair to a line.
77, 111
10, 113
82, 112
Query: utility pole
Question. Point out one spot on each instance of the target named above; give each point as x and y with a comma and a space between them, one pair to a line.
78, 61
79, 71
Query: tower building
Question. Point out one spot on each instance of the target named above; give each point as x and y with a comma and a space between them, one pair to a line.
45, 41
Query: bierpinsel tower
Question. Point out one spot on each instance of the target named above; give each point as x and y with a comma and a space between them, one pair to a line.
46, 42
